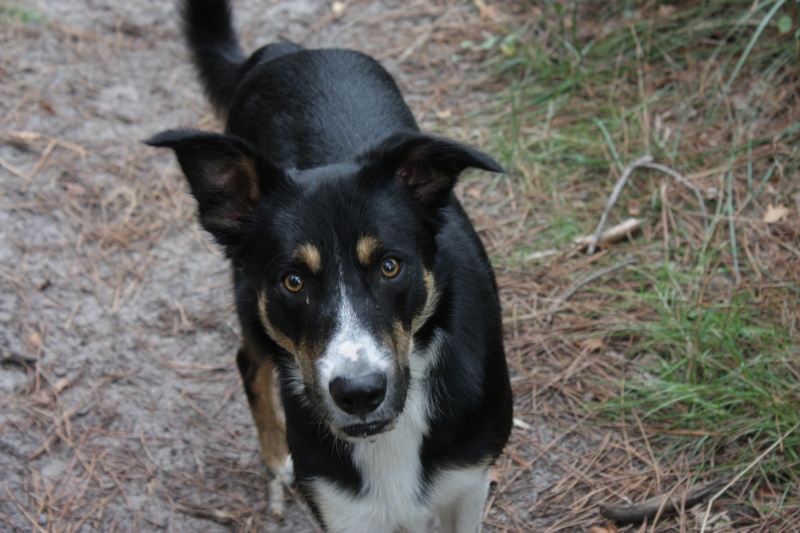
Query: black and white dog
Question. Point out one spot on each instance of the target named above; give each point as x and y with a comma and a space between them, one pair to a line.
360, 284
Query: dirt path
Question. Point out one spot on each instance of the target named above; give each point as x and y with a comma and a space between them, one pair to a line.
122, 407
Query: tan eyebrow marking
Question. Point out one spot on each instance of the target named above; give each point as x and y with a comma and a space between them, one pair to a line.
367, 247
309, 255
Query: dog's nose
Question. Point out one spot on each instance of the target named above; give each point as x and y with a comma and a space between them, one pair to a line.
358, 395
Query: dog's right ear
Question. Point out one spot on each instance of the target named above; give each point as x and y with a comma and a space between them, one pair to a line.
426, 165
226, 175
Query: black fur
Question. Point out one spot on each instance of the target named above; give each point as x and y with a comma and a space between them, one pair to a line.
208, 27
319, 147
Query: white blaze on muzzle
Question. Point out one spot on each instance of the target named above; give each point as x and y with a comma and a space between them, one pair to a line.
354, 371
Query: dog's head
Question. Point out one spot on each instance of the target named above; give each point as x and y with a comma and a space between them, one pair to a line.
341, 258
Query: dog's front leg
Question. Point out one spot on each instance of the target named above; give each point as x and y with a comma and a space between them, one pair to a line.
259, 385
464, 513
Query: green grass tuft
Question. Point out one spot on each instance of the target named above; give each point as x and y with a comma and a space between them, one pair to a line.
24, 15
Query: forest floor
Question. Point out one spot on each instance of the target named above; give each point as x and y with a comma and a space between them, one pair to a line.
122, 406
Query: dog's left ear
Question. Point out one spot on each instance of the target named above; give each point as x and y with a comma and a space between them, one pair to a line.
428, 165
227, 177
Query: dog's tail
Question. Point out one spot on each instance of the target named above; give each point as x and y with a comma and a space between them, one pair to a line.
208, 29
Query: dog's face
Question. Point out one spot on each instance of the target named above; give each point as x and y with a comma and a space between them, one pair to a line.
343, 274
341, 258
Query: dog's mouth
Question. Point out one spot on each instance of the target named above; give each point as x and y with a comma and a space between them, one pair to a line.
361, 431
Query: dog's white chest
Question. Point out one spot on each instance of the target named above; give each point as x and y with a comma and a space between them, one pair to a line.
392, 496
391, 472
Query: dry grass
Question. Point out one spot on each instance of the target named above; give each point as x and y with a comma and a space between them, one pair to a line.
663, 362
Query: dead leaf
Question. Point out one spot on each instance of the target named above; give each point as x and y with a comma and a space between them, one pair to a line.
595, 344
776, 213
35, 339
75, 190
485, 11
47, 107
60, 385
665, 10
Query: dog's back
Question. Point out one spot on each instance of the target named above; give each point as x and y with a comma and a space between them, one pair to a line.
358, 278
336, 103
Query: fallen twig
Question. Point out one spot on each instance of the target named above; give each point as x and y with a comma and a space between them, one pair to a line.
683, 181
626, 174
662, 505
643, 162
207, 513
616, 233
585, 281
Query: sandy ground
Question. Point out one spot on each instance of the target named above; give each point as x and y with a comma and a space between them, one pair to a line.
122, 408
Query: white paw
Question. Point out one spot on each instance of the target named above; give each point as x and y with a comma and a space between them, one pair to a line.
285, 477
277, 505
288, 471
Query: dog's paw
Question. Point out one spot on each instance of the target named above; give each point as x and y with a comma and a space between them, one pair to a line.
288, 471
277, 497
277, 503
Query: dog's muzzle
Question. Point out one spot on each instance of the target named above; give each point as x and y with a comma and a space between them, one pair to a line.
363, 392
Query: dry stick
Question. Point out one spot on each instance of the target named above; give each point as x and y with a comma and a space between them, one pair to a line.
11, 168
207, 513
612, 234
574, 288
639, 512
643, 162
683, 181
613, 199
34, 522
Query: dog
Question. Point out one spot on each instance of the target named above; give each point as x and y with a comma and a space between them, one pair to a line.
372, 343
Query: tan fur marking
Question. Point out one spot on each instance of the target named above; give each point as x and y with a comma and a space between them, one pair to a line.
247, 166
222, 222
305, 354
309, 255
268, 416
282, 340
430, 302
402, 342
366, 249
306, 357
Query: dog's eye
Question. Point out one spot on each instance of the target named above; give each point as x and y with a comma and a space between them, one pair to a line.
293, 282
390, 267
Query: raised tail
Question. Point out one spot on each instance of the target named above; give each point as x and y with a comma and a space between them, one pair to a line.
208, 29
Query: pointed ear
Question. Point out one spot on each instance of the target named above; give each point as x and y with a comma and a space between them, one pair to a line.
427, 165
226, 176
